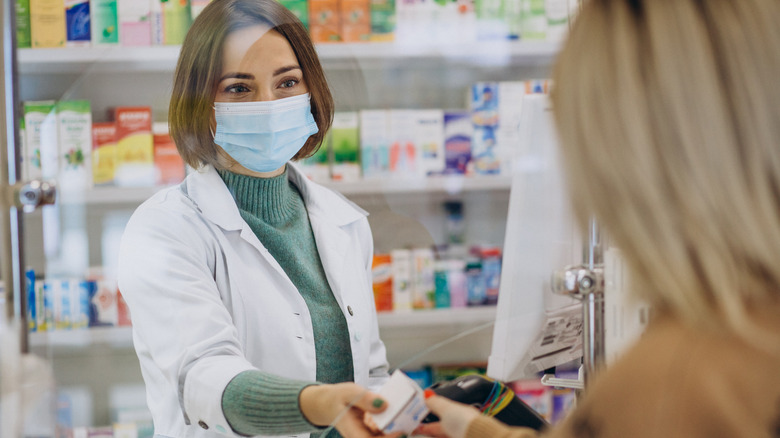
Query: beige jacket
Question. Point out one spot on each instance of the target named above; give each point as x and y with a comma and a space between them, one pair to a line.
675, 382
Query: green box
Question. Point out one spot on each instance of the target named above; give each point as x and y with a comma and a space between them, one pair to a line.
300, 8
23, 37
382, 20
105, 22
177, 17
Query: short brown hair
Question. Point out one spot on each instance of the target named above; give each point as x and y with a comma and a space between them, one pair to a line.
200, 65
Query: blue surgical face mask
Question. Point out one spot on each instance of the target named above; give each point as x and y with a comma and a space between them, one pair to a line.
263, 136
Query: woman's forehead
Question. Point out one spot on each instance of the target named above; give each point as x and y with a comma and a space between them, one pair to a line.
255, 45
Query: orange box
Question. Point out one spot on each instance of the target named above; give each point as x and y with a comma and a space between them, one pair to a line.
104, 152
167, 161
355, 20
381, 272
324, 21
134, 134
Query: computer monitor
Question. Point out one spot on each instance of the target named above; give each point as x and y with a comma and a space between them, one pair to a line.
536, 329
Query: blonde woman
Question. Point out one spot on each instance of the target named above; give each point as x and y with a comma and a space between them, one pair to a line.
669, 120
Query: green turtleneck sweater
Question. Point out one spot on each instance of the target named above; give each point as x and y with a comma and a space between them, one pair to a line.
255, 402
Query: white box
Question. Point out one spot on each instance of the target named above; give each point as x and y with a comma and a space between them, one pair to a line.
401, 266
74, 133
405, 405
375, 143
403, 152
423, 286
429, 139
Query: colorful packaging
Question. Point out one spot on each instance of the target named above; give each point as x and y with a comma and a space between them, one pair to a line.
105, 22
440, 273
74, 123
458, 131
423, 287
135, 146
345, 142
456, 280
62, 296
484, 100
167, 161
491, 19
475, 283
178, 19
324, 21
375, 143
557, 12
23, 36
403, 152
47, 23
300, 8
32, 308
49, 295
78, 26
382, 20
429, 138
401, 263
355, 20
135, 28
491, 273
535, 395
40, 120
79, 301
103, 310
104, 153
533, 20
381, 272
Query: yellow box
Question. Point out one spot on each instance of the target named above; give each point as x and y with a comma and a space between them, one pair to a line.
47, 23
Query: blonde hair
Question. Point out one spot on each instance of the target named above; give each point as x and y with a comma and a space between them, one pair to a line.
669, 118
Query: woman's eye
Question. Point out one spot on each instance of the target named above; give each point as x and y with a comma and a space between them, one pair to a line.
237, 88
289, 83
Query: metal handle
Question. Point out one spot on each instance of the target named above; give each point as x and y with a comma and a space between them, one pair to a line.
35, 194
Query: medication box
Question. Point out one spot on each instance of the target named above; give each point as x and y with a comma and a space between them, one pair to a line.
429, 138
74, 123
403, 151
167, 161
375, 143
324, 21
345, 141
423, 287
40, 120
135, 147
355, 20
485, 116
23, 37
105, 22
77, 22
382, 15
381, 273
401, 264
300, 8
457, 141
405, 405
104, 152
135, 27
47, 23
177, 19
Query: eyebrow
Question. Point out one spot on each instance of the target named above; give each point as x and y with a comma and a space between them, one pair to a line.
277, 72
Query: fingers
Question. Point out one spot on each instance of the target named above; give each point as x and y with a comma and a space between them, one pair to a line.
368, 401
438, 404
431, 429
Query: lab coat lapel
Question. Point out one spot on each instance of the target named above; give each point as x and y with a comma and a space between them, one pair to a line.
212, 197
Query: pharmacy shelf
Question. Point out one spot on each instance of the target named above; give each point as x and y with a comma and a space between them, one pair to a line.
86, 60
450, 185
442, 318
71, 341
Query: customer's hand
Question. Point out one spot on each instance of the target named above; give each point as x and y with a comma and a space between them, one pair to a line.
346, 404
454, 418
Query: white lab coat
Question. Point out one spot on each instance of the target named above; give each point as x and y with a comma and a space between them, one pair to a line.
208, 301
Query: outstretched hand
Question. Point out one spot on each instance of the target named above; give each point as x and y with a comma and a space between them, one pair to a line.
454, 418
344, 405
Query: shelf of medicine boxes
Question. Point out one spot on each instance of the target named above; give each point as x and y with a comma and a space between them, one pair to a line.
448, 185
455, 319
333, 55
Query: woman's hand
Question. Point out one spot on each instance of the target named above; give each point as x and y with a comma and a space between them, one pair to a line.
454, 418
345, 403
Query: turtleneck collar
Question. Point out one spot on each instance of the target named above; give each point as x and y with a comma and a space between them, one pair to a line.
272, 200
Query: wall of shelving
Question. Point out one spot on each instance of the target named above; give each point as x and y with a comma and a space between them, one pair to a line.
403, 212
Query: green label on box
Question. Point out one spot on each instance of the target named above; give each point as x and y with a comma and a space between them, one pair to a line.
23, 37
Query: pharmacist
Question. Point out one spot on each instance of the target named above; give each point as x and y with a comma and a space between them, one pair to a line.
249, 286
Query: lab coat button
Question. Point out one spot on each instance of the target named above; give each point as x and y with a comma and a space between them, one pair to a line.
358, 336
203, 425
349, 309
